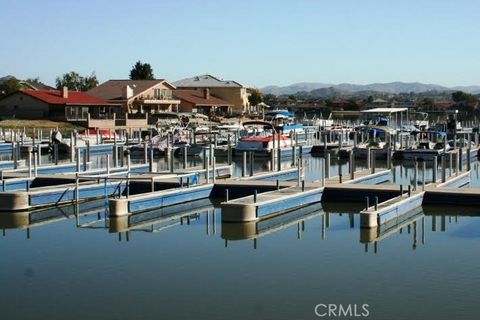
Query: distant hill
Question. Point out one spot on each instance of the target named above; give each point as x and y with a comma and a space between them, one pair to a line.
296, 87
391, 87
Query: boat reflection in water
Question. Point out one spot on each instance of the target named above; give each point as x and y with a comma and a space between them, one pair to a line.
256, 229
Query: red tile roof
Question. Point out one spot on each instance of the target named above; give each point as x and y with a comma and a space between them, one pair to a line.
55, 97
197, 97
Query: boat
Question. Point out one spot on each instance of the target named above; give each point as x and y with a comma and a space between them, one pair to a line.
284, 123
160, 145
266, 140
425, 149
321, 123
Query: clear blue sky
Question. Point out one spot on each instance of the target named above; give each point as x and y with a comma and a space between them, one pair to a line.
257, 42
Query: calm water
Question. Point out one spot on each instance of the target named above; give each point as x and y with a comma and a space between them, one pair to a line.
188, 265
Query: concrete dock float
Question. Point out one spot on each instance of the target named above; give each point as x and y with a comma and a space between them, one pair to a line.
265, 204
157, 199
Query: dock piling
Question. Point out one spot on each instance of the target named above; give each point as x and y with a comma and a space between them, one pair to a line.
376, 203
255, 196
226, 195
444, 169
435, 168
244, 163
327, 166
185, 157
409, 190
367, 203
423, 175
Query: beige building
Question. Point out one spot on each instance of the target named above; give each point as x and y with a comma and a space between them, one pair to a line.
201, 102
230, 91
145, 97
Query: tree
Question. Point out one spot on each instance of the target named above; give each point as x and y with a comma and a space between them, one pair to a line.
460, 96
9, 86
255, 97
269, 98
74, 81
89, 82
141, 71
33, 80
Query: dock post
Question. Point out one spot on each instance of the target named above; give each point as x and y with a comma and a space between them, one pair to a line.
210, 153
372, 158
255, 196
476, 139
55, 153
185, 157
323, 172
214, 160
77, 191
244, 163
355, 139
250, 160
88, 150
84, 160
39, 154
145, 153
72, 150
401, 190
409, 190
171, 160
115, 151
14, 156
444, 168
127, 186
460, 159
229, 150
226, 195
369, 155
327, 166
128, 161
152, 185
279, 156
207, 171
455, 141
77, 159
376, 203
278, 184
150, 163
299, 172
415, 175
294, 154
435, 168
450, 163
35, 163
469, 159
108, 164
340, 176
272, 159
351, 167
303, 185
367, 203
423, 175
389, 158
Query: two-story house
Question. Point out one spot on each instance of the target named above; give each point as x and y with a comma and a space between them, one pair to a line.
230, 91
138, 96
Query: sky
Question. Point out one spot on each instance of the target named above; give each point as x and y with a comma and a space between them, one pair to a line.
255, 42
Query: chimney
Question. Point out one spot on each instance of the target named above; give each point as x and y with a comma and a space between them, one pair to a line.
206, 93
65, 92
127, 92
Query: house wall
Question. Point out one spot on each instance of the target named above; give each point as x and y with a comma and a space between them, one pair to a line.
19, 105
236, 96
186, 106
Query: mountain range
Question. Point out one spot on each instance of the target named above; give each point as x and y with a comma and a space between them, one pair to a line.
348, 88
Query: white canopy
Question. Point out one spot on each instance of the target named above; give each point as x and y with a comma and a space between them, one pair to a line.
385, 110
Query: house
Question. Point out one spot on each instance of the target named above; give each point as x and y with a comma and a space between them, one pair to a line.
231, 91
138, 96
60, 105
201, 102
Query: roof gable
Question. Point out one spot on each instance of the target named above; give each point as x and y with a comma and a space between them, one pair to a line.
206, 81
112, 89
